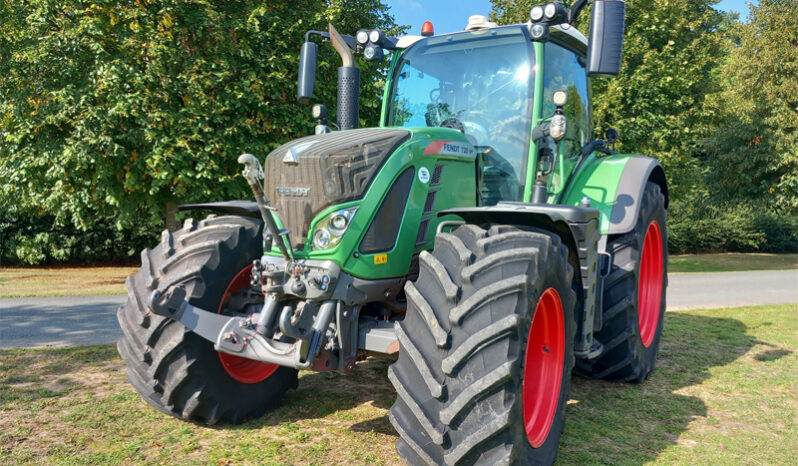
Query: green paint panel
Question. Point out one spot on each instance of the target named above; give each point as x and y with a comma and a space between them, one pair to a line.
598, 180
456, 188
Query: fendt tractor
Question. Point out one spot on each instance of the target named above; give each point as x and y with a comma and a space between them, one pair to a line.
480, 236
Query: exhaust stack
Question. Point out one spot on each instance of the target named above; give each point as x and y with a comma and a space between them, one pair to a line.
348, 83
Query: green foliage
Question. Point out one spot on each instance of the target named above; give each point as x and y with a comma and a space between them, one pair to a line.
110, 110
753, 152
718, 228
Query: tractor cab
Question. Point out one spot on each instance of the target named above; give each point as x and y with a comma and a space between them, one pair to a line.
483, 84
478, 83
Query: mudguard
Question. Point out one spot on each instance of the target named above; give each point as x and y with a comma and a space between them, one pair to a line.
240, 208
614, 184
578, 228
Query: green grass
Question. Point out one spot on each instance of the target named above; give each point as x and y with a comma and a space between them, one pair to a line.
725, 391
66, 281
731, 262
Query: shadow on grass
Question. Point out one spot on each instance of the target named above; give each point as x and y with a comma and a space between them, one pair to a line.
606, 422
323, 394
634, 423
30, 375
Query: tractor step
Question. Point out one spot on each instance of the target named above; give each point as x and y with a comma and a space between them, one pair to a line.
380, 338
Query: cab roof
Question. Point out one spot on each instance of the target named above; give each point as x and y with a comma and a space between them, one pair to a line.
564, 33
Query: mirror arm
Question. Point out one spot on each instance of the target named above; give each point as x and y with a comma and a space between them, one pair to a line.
348, 40
576, 9
541, 131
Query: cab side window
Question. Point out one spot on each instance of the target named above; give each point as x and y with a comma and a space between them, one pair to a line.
563, 71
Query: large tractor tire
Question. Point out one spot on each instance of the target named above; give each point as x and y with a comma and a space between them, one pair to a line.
634, 297
175, 370
483, 373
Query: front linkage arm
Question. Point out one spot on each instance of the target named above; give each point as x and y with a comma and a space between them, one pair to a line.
239, 335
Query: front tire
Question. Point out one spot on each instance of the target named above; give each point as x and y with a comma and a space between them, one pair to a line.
634, 297
483, 374
175, 370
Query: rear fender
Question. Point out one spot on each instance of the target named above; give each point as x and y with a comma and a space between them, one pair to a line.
615, 184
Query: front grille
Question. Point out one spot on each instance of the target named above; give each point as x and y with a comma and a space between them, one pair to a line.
421, 237
332, 168
436, 175
429, 204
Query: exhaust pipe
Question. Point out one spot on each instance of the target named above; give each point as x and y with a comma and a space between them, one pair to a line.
348, 83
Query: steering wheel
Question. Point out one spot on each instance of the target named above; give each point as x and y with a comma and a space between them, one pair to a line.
476, 124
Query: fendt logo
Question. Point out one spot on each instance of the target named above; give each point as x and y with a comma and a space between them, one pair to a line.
293, 192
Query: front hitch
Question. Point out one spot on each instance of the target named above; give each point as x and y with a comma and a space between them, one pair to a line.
239, 335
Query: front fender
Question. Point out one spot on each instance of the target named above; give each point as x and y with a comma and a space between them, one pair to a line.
614, 184
240, 208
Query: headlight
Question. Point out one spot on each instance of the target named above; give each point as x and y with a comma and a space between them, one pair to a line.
321, 239
558, 127
331, 228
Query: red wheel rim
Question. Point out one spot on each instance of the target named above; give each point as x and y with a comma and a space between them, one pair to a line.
543, 366
242, 369
649, 288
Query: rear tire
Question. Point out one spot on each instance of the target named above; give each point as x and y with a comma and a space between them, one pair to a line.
175, 370
472, 356
634, 297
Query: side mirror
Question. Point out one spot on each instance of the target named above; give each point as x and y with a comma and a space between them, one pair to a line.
307, 71
611, 135
606, 38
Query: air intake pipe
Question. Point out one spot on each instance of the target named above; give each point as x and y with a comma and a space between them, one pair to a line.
348, 83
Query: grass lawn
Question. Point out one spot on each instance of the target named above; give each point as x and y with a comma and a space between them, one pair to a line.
731, 262
35, 281
725, 392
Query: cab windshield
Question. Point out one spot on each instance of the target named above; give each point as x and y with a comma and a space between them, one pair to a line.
479, 83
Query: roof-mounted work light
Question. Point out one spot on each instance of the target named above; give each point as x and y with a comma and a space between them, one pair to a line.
373, 52
550, 13
371, 42
362, 37
544, 15
376, 36
539, 31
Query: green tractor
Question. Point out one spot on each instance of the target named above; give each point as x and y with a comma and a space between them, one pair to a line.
480, 236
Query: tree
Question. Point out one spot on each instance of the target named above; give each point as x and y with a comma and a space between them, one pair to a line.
111, 110
753, 151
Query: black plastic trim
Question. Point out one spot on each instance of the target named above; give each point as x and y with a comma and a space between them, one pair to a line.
384, 229
240, 208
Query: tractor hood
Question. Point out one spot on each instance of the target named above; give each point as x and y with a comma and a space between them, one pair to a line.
307, 175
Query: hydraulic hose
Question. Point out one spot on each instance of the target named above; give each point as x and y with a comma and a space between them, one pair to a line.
253, 172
